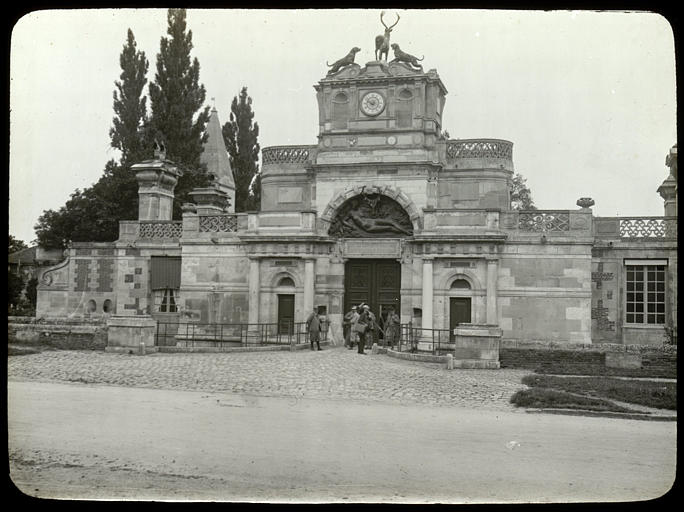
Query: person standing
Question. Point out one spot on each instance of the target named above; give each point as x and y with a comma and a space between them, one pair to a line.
363, 321
353, 335
347, 323
392, 327
372, 328
313, 325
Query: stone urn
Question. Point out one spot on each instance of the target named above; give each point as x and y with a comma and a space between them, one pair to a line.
585, 202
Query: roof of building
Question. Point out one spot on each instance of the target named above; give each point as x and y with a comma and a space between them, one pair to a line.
24, 256
215, 155
35, 255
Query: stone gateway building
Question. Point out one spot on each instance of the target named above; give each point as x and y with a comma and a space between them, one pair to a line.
382, 209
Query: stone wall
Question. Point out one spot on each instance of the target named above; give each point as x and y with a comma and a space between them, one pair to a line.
544, 292
609, 287
58, 333
591, 359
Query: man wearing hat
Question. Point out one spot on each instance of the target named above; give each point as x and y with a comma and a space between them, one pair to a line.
365, 321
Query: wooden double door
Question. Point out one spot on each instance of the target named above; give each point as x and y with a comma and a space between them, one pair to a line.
373, 282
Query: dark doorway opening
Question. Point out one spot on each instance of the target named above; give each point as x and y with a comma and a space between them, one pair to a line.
459, 313
286, 309
373, 282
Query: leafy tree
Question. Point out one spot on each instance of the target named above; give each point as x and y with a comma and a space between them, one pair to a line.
93, 214
15, 285
240, 135
521, 195
176, 99
15, 282
130, 106
32, 293
15, 245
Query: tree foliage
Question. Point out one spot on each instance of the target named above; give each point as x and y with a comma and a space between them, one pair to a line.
130, 106
93, 214
15, 285
521, 195
15, 245
240, 135
176, 99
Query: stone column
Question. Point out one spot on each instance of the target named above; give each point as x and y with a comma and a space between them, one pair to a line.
156, 183
428, 293
254, 295
492, 274
309, 280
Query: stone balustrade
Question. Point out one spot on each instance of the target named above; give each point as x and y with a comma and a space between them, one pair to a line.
479, 148
287, 155
543, 220
160, 229
218, 223
644, 228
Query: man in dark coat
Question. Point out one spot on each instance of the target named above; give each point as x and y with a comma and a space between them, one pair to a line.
313, 325
365, 320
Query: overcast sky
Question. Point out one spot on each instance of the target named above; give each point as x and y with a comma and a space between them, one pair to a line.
588, 99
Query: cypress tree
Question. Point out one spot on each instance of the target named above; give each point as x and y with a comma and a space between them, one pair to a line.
176, 99
240, 135
130, 106
93, 214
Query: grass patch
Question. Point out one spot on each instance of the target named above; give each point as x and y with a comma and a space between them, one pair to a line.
660, 395
544, 398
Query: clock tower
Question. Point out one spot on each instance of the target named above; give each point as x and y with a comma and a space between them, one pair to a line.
378, 107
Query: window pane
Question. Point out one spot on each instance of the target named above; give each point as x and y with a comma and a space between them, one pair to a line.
638, 319
630, 318
661, 297
630, 297
660, 287
651, 286
639, 286
660, 319
651, 308
660, 308
630, 286
639, 307
651, 319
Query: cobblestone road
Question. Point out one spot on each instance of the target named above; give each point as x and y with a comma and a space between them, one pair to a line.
334, 373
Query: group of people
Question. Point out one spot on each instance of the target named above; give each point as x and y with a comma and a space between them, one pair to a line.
362, 328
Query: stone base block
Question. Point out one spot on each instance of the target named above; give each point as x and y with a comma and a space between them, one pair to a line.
476, 364
131, 350
131, 333
477, 346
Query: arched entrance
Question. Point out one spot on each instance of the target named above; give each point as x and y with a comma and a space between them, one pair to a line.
370, 276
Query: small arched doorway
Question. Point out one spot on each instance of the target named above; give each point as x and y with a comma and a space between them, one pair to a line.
460, 304
285, 291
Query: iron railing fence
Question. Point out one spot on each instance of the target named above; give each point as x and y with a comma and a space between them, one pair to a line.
193, 334
418, 339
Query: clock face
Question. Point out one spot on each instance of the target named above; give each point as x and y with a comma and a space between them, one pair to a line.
372, 104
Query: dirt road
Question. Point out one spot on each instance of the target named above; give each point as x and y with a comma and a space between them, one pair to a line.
92, 441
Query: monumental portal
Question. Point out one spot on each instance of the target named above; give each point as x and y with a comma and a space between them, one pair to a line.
381, 209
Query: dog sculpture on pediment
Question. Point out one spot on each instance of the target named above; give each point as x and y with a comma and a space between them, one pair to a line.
343, 62
407, 58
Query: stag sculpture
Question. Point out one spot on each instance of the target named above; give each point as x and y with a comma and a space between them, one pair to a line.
382, 43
